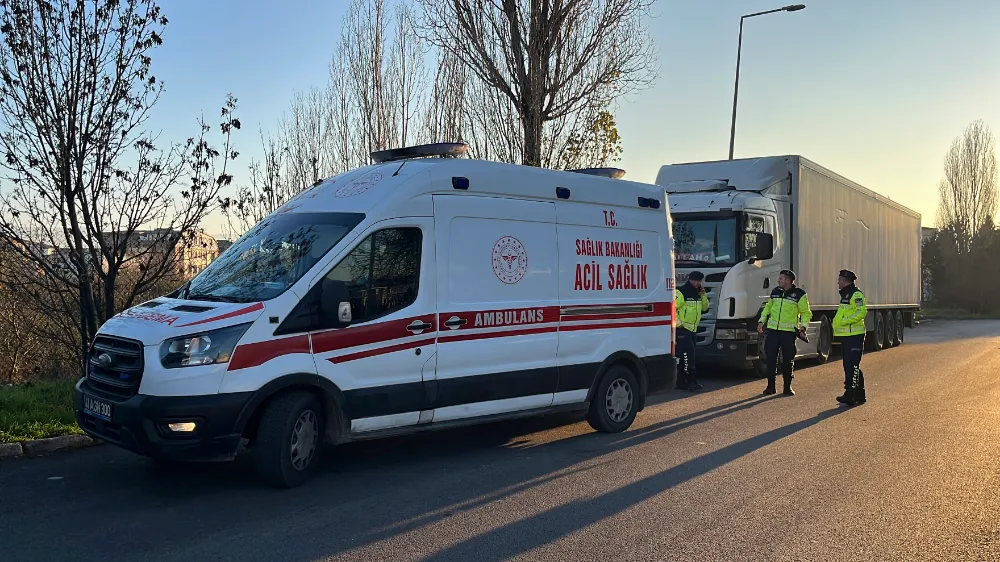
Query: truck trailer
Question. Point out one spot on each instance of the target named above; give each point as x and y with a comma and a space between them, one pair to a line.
740, 222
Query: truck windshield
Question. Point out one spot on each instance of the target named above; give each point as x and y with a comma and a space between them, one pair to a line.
270, 257
704, 240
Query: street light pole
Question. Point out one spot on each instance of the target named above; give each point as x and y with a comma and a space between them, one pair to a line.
739, 52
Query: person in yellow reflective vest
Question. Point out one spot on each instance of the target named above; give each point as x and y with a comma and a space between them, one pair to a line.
849, 328
690, 301
785, 315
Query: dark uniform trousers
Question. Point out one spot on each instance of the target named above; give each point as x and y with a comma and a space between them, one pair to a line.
785, 341
852, 347
685, 354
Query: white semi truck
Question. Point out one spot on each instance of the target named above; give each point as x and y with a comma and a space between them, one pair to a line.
740, 222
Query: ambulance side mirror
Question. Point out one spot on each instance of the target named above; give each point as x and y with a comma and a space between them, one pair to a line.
335, 302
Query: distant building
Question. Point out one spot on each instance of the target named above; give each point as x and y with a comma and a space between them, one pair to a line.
192, 252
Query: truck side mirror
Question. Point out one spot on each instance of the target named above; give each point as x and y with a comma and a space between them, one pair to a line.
765, 246
335, 302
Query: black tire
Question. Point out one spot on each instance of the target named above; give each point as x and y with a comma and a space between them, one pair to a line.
890, 329
875, 340
759, 365
614, 406
278, 462
824, 347
900, 327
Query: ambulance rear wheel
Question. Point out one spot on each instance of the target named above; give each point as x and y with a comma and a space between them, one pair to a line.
289, 439
613, 407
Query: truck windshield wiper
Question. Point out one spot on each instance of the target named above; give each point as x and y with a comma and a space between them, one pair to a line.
214, 298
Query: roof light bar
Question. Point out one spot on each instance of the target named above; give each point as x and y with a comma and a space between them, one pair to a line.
440, 149
615, 173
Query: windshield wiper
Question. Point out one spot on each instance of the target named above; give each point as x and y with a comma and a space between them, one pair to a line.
213, 298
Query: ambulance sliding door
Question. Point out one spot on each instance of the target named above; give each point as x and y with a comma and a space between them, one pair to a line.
497, 298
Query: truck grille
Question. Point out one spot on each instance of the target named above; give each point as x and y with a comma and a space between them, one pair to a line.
706, 329
115, 365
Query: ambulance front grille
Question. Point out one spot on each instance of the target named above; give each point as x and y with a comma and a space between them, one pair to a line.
115, 365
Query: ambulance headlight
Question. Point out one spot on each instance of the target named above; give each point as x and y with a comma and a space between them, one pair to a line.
207, 348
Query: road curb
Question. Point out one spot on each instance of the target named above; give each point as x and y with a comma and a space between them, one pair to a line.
10, 450
38, 447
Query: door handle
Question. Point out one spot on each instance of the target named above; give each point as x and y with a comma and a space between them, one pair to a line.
418, 326
455, 322
767, 282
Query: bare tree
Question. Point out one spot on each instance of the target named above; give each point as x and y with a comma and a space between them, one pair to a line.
373, 101
968, 192
269, 187
85, 177
463, 108
549, 58
967, 239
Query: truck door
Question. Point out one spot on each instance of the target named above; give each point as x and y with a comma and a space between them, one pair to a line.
498, 307
381, 361
768, 276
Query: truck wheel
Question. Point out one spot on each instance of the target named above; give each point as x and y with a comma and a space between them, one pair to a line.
759, 365
876, 339
824, 347
613, 407
289, 439
900, 327
890, 329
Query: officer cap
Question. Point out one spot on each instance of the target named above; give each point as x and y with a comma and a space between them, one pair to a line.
788, 273
696, 276
848, 274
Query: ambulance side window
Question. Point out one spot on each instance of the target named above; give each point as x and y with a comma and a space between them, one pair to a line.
381, 273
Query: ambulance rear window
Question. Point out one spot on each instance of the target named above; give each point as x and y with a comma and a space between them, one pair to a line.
272, 256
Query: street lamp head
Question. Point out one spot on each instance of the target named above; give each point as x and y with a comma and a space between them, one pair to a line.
794, 7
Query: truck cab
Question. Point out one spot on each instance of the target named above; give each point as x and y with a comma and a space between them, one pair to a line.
732, 224
740, 222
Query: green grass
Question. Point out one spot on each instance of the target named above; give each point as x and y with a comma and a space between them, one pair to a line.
954, 314
37, 411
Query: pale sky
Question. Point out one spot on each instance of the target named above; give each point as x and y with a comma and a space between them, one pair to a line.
874, 90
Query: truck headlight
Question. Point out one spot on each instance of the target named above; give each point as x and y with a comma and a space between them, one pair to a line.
207, 348
731, 334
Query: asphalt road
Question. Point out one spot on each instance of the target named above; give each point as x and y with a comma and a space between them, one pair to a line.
723, 475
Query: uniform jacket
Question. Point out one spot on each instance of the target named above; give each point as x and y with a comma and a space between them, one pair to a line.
690, 305
785, 310
850, 318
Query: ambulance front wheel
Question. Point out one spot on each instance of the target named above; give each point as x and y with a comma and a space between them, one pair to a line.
289, 439
613, 408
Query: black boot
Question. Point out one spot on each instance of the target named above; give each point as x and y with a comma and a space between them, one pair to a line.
859, 396
693, 385
788, 387
770, 387
847, 398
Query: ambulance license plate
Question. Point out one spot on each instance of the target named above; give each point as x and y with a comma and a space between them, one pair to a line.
97, 407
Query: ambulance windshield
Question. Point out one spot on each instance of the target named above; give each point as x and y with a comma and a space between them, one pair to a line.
270, 257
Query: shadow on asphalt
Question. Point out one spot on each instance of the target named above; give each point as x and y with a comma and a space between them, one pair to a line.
412, 467
537, 530
366, 492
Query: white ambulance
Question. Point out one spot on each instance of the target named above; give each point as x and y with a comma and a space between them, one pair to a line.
413, 294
